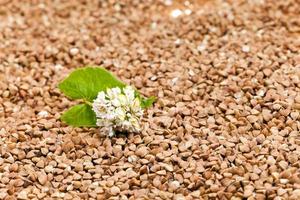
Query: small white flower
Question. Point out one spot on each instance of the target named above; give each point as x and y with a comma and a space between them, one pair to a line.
123, 100
111, 132
118, 109
116, 102
129, 92
121, 113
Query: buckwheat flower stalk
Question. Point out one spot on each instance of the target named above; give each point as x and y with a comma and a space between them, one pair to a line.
118, 110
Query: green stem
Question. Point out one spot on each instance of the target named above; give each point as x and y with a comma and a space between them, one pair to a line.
87, 102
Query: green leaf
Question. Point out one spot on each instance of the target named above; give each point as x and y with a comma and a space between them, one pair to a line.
86, 83
146, 103
80, 115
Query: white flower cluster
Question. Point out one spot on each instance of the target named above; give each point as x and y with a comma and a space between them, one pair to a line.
118, 109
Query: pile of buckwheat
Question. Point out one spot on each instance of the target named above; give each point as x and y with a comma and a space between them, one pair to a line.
226, 123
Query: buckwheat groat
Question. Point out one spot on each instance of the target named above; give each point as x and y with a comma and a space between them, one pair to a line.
226, 122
